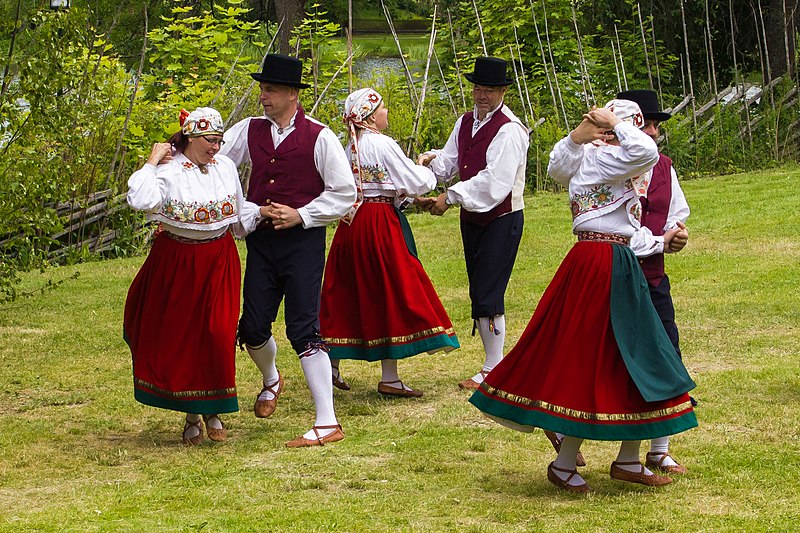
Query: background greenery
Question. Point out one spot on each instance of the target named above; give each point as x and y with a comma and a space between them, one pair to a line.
79, 454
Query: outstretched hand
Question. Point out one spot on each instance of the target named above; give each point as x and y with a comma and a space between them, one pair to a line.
440, 205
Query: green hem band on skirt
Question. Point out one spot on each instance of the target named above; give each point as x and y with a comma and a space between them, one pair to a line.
441, 342
527, 420
199, 407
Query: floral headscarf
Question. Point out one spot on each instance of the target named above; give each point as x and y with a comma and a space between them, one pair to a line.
201, 121
358, 106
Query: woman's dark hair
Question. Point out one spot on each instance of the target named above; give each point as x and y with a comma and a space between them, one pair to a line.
179, 141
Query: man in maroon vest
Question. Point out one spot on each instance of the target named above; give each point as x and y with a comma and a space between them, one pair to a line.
488, 150
663, 209
302, 179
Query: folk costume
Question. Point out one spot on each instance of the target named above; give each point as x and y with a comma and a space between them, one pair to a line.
663, 207
594, 361
489, 156
182, 307
300, 165
377, 301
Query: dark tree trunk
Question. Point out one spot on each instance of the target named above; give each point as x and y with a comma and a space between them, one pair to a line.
291, 12
781, 25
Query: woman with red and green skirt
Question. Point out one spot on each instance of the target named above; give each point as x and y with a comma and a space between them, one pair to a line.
594, 361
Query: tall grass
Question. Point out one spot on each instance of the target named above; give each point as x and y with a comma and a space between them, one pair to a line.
79, 454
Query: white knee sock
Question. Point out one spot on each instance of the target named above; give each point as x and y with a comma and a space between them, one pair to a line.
629, 453
660, 446
264, 358
566, 459
493, 335
317, 369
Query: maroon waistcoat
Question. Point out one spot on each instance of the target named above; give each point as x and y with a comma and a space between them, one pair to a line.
472, 159
655, 210
287, 175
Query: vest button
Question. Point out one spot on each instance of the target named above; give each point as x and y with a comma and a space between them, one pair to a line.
272, 160
272, 181
465, 166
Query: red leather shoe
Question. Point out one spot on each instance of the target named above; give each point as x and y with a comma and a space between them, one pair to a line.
653, 480
655, 461
553, 478
265, 408
302, 442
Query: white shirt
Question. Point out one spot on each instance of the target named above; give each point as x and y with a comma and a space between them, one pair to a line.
506, 158
192, 204
386, 171
643, 242
599, 179
339, 193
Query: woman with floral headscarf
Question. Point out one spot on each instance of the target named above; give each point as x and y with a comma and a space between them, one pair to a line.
594, 361
378, 304
183, 306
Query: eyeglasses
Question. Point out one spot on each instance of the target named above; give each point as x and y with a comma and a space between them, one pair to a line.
213, 141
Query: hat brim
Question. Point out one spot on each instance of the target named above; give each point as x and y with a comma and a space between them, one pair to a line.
487, 83
660, 116
258, 76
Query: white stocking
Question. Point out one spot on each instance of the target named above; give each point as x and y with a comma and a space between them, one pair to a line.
629, 453
264, 358
566, 459
389, 374
493, 336
660, 446
317, 369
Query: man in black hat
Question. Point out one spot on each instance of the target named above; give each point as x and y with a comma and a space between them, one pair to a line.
663, 209
488, 150
302, 178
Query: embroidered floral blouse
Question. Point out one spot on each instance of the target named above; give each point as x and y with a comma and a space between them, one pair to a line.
599, 177
190, 203
386, 171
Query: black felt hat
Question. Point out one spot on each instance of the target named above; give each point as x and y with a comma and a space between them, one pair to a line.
648, 103
281, 70
489, 71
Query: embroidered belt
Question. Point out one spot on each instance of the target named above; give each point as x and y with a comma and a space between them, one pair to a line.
186, 240
379, 200
603, 237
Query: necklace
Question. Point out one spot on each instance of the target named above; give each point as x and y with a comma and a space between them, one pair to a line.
203, 169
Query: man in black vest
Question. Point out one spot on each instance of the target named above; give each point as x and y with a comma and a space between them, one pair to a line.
488, 150
302, 178
663, 209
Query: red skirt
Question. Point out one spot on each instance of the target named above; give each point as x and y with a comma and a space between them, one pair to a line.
180, 323
566, 373
377, 301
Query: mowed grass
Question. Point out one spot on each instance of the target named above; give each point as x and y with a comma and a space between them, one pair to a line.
77, 453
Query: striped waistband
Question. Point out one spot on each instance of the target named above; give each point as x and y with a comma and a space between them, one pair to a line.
379, 200
186, 240
603, 237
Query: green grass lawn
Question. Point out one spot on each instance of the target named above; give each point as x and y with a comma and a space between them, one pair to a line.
77, 453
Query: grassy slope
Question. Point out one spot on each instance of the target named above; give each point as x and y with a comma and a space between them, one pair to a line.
79, 454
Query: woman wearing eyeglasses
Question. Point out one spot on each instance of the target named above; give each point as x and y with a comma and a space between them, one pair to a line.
183, 306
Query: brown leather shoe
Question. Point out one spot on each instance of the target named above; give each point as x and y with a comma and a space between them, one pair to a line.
471, 384
215, 434
653, 480
556, 442
197, 439
655, 461
302, 442
401, 392
553, 478
338, 381
265, 408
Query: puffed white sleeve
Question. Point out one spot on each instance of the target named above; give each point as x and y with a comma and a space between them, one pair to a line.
636, 154
565, 160
644, 243
249, 213
445, 164
236, 142
678, 207
409, 179
339, 193
147, 187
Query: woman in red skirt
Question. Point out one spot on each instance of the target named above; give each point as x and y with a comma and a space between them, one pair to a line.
594, 362
378, 304
183, 306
